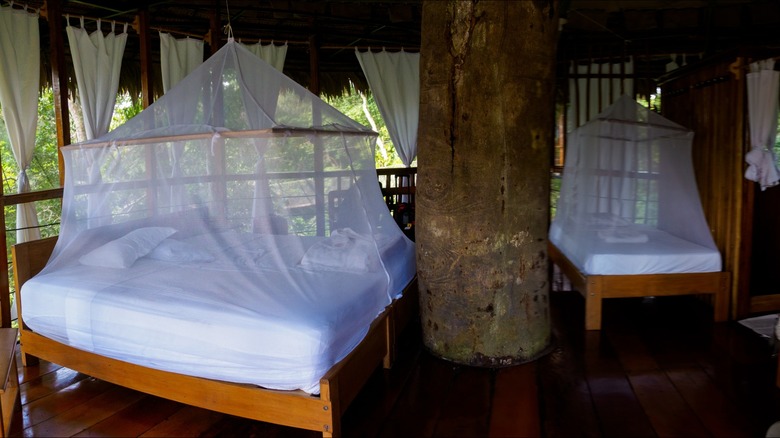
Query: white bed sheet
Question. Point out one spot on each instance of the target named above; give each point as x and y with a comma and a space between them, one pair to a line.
261, 325
659, 253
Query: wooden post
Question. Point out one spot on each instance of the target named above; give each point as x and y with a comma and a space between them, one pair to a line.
145, 39
5, 287
486, 130
314, 65
215, 28
59, 78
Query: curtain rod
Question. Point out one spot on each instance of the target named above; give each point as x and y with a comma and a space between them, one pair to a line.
268, 41
113, 23
23, 6
373, 47
136, 24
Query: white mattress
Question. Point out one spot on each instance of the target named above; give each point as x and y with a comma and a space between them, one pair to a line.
273, 323
658, 253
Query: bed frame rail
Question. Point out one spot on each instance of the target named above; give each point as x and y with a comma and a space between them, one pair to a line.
595, 288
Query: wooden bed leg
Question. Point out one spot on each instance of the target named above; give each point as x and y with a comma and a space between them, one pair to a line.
389, 359
721, 301
329, 393
28, 360
593, 299
777, 378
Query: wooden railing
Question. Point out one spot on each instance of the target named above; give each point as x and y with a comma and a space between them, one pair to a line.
398, 183
5, 282
399, 188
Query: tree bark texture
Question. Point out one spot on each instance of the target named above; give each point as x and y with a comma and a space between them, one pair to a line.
487, 77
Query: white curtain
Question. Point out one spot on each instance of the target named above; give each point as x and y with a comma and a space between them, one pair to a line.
97, 61
270, 53
394, 78
275, 56
763, 83
594, 87
178, 58
19, 84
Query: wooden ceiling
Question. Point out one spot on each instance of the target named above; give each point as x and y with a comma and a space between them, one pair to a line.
590, 29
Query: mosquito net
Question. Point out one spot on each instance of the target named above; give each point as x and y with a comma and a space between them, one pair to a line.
239, 151
628, 180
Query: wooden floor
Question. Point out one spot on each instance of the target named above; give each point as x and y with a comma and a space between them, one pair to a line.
659, 367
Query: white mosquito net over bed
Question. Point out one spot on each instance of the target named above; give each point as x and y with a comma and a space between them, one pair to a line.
629, 202
233, 230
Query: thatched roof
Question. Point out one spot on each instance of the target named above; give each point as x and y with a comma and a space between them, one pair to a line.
648, 30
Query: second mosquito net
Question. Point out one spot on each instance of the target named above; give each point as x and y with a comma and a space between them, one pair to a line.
629, 189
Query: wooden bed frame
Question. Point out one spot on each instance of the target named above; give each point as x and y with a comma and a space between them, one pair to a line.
595, 288
298, 409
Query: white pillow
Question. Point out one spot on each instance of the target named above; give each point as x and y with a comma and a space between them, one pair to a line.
172, 250
123, 252
344, 250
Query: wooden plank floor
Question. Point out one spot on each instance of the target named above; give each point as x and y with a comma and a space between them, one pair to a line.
659, 367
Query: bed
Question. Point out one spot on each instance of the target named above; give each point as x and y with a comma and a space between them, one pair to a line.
228, 247
318, 405
603, 270
629, 221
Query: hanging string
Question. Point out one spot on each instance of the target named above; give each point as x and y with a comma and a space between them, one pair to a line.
228, 29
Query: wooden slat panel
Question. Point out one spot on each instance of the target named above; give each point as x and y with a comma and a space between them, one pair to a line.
137, 418
419, 405
633, 353
669, 413
58, 403
710, 404
187, 422
515, 404
565, 397
49, 383
86, 414
466, 410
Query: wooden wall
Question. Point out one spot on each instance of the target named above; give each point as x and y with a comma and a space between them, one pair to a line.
711, 99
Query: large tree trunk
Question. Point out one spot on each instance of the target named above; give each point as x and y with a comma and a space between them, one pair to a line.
486, 125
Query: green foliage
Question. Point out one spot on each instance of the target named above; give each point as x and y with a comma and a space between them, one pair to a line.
43, 172
44, 168
125, 109
351, 104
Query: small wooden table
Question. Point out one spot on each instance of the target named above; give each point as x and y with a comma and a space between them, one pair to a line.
9, 386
